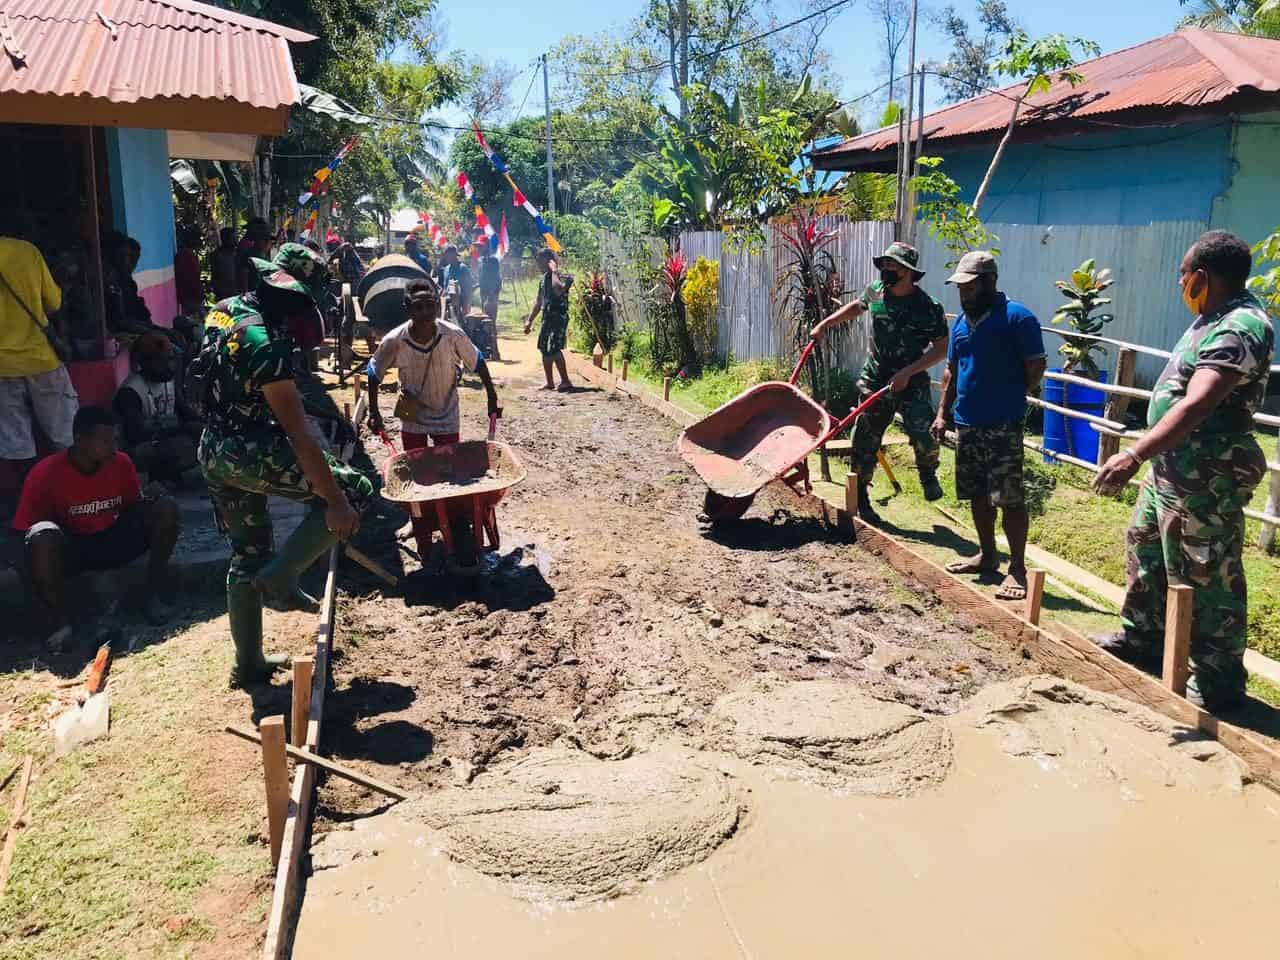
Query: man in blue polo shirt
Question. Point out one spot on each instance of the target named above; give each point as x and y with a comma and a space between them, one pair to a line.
995, 358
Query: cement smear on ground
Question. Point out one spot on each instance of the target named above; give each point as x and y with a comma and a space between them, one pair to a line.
1102, 737
561, 825
835, 733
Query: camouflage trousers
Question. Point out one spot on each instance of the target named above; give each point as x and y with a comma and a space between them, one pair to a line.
989, 464
916, 407
242, 471
1188, 529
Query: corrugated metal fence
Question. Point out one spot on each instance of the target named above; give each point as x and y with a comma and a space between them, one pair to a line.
1146, 299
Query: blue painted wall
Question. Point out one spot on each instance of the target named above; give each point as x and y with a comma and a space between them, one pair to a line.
1126, 177
141, 196
1250, 206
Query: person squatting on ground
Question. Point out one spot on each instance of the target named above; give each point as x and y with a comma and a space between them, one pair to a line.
996, 357
160, 433
427, 351
1188, 524
490, 284
82, 509
255, 444
908, 336
35, 387
553, 302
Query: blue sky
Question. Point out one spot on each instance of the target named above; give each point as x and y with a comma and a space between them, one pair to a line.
505, 30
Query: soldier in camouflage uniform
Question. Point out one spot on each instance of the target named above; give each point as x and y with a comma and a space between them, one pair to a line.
908, 335
255, 445
1188, 525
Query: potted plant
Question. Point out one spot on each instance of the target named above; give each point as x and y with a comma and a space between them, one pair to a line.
1084, 294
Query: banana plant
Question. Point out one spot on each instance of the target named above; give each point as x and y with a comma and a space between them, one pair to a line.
1084, 296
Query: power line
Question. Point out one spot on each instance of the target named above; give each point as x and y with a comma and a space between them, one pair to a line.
711, 55
533, 78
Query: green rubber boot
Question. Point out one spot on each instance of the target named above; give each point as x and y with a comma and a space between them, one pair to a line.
244, 610
278, 578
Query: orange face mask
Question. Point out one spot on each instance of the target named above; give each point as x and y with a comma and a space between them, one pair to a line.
1195, 291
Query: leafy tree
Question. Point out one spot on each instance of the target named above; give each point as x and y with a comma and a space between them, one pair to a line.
1258, 18
970, 67
520, 144
1037, 63
894, 21
950, 220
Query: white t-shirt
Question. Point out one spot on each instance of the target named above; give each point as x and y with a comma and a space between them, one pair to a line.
159, 404
428, 372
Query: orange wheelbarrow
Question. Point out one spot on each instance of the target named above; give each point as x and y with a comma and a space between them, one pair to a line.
764, 434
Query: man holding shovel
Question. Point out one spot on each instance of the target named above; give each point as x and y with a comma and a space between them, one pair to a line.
908, 336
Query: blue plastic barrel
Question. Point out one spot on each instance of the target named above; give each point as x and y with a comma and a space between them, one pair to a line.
1083, 444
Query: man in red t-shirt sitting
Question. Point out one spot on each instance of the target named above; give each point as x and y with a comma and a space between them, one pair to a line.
82, 509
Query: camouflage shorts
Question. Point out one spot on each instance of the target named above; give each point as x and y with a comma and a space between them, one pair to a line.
989, 464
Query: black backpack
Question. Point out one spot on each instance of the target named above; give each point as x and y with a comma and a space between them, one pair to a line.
200, 383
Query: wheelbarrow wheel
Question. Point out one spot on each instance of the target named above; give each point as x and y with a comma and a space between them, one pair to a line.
720, 509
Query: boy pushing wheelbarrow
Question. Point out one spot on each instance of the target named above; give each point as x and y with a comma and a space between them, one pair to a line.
427, 351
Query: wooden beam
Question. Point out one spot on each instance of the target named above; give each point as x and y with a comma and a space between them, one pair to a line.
1117, 401
851, 494
284, 897
1177, 638
1076, 414
303, 755
15, 823
377, 569
303, 670
275, 771
1035, 595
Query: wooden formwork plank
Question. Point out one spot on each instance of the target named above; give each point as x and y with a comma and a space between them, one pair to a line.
284, 899
1061, 651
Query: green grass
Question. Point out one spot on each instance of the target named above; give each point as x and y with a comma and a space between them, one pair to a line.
133, 840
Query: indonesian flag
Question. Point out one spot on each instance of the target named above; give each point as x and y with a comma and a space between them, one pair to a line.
517, 198
490, 234
503, 243
465, 184
494, 160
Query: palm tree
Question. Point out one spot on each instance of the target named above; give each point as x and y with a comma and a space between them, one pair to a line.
1257, 18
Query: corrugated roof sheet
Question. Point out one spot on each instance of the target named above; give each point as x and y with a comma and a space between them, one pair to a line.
1190, 68
127, 51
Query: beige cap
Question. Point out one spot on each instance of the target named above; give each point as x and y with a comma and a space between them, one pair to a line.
972, 265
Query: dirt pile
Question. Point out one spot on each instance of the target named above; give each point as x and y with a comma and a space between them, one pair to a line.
1101, 737
560, 825
834, 733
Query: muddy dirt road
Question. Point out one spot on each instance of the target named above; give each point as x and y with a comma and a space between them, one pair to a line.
636, 737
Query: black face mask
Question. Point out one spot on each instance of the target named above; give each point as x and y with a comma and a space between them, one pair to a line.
889, 277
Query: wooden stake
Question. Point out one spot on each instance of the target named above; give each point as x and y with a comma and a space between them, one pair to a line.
1177, 639
303, 670
324, 763
1035, 595
666, 389
851, 495
611, 363
15, 824
346, 411
625, 365
370, 564
275, 769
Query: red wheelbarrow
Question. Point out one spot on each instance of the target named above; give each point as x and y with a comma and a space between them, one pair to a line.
761, 435
457, 488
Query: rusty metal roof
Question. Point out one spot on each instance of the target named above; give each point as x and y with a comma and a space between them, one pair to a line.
1191, 70
130, 51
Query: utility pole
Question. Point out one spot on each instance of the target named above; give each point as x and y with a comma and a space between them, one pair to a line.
684, 52
908, 161
551, 177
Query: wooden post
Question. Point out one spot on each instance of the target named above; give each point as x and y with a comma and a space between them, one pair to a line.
1177, 639
346, 411
666, 389
356, 387
1117, 404
851, 495
303, 670
611, 363
275, 768
1267, 538
625, 365
1035, 595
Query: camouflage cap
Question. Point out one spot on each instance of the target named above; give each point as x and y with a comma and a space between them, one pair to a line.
903, 254
296, 268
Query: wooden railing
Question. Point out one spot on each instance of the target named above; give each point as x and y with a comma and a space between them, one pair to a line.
1111, 428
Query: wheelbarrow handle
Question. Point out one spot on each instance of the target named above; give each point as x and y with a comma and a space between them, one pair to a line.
804, 356
493, 426
857, 412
